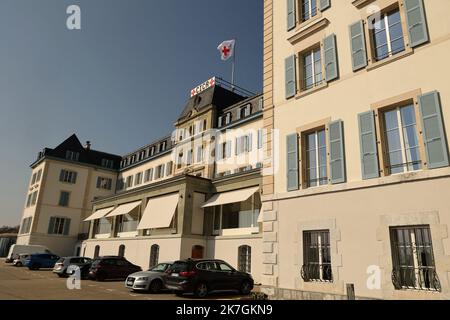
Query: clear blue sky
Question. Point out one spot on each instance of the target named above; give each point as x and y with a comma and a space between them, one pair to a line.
120, 82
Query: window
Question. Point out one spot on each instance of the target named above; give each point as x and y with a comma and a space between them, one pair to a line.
413, 259
129, 181
30, 196
308, 9
64, 199
224, 120
96, 252
162, 146
152, 151
245, 259
245, 111
154, 255
138, 179
107, 163
72, 155
59, 226
316, 158
197, 252
316, 256
33, 179
401, 140
169, 168
34, 198
26, 225
200, 153
159, 173
68, 176
224, 150
180, 160
189, 157
39, 175
142, 155
121, 251
104, 183
148, 176
312, 68
260, 138
243, 144
387, 35
120, 184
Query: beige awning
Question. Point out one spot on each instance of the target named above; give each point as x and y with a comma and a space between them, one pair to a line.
124, 209
230, 197
99, 214
261, 216
159, 212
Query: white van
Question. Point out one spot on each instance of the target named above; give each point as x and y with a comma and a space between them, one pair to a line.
17, 249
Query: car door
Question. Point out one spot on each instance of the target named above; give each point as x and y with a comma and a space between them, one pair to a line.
228, 276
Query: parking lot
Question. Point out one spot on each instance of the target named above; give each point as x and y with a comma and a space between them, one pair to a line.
23, 284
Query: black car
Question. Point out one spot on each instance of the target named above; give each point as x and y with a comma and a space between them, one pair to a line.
204, 276
111, 267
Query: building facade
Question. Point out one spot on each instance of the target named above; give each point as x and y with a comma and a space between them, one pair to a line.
357, 93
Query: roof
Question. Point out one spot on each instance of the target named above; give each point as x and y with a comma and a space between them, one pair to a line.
219, 97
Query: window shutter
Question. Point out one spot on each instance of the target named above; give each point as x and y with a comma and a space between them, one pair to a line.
219, 151
250, 142
417, 23
368, 145
66, 226
330, 54
292, 162
324, 5
163, 166
228, 149
260, 138
228, 118
61, 176
337, 154
238, 114
236, 146
99, 182
74, 177
433, 130
290, 81
247, 111
358, 46
291, 19
51, 225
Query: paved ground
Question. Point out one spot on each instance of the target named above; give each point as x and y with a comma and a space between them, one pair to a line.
23, 284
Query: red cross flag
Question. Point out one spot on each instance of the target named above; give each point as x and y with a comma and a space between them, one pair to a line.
226, 49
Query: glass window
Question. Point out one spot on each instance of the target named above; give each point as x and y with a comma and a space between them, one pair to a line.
316, 158
316, 256
413, 259
308, 9
224, 267
64, 199
388, 35
401, 139
245, 259
312, 69
154, 255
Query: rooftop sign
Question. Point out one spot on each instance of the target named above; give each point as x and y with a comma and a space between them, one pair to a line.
206, 85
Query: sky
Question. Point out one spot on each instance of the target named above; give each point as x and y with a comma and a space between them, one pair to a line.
120, 81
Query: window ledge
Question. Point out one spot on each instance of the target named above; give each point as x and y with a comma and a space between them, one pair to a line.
307, 28
386, 61
311, 91
361, 3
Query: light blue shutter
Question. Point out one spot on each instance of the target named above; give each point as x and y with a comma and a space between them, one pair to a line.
291, 19
228, 149
290, 81
237, 145
66, 226
330, 54
51, 225
260, 138
368, 144
292, 162
417, 23
337, 154
324, 5
250, 142
358, 46
433, 130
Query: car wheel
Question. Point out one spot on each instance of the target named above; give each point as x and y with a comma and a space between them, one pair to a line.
201, 290
18, 264
155, 286
246, 287
101, 276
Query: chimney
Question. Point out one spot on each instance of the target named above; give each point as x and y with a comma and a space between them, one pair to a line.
88, 145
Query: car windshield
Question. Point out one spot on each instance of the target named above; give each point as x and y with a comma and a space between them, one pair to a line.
96, 263
160, 267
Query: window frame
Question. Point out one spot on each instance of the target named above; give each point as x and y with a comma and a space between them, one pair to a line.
67, 204
320, 246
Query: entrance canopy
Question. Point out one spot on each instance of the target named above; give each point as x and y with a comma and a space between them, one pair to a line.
124, 209
159, 212
99, 214
230, 197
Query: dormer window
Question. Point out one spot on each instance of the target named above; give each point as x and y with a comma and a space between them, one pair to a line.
162, 146
244, 112
107, 163
72, 155
152, 151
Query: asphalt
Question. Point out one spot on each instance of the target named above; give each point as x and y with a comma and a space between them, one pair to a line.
23, 284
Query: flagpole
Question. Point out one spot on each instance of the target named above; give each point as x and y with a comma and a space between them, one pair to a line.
232, 67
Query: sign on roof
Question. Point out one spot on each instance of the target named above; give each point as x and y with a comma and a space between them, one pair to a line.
206, 85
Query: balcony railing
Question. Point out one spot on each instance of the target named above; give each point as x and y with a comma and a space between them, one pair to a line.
317, 272
422, 278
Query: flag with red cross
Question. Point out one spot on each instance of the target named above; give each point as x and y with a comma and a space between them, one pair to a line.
226, 49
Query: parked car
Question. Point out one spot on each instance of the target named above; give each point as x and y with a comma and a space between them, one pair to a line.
151, 280
20, 261
41, 260
62, 264
17, 249
204, 276
111, 267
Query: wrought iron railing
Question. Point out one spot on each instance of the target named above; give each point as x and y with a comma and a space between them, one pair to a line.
317, 272
422, 278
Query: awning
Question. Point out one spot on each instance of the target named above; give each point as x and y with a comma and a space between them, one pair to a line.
230, 197
261, 216
124, 209
99, 214
159, 212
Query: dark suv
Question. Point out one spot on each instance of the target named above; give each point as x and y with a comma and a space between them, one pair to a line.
204, 276
111, 267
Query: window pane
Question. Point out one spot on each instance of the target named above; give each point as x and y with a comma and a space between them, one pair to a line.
396, 32
380, 40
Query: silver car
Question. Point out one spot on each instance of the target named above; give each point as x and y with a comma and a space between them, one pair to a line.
20, 261
151, 280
